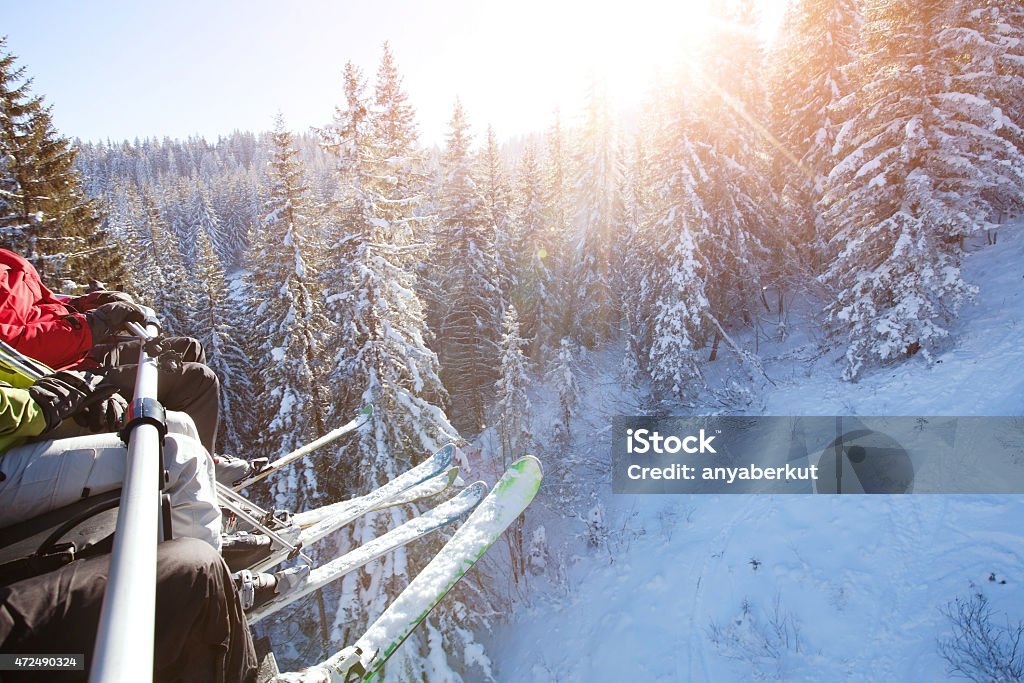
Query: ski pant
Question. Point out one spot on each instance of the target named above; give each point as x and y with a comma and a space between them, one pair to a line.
41, 476
191, 386
201, 632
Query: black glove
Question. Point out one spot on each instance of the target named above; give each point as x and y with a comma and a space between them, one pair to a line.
103, 416
109, 318
67, 392
88, 302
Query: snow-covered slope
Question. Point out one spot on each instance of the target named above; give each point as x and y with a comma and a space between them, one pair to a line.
796, 588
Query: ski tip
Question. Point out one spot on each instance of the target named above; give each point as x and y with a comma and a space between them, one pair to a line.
527, 471
530, 463
478, 489
446, 453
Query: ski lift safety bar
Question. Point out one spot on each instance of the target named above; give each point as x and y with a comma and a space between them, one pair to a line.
124, 640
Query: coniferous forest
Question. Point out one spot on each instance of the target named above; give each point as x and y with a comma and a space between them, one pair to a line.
846, 164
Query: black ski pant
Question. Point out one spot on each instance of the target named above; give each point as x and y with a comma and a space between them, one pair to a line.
201, 633
191, 386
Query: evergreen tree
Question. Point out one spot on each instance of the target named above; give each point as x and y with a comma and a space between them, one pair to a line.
201, 219
496, 190
563, 377
679, 319
671, 290
394, 127
233, 205
381, 356
633, 250
986, 42
291, 325
167, 278
215, 318
819, 40
729, 136
47, 216
467, 281
513, 406
513, 419
536, 291
920, 156
556, 169
593, 300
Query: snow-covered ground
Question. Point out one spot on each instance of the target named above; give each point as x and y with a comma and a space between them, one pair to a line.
796, 588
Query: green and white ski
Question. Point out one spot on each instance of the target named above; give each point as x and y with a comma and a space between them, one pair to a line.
365, 660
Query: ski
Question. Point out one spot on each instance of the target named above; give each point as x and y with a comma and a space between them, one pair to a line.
344, 512
353, 424
17, 369
429, 487
451, 510
364, 661
309, 527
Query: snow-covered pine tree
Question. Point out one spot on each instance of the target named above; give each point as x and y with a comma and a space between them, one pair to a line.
125, 216
536, 293
986, 42
394, 127
1000, 28
677, 318
217, 324
200, 217
466, 281
729, 136
49, 220
592, 299
513, 406
166, 279
679, 321
557, 172
232, 202
920, 155
632, 251
562, 375
497, 195
819, 39
512, 423
381, 358
290, 324
175, 194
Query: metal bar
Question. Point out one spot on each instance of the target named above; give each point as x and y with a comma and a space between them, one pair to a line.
124, 640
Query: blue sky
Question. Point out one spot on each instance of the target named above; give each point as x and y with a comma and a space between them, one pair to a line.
121, 70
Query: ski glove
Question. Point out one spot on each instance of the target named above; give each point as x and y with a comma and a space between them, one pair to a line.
88, 302
107, 319
66, 393
103, 416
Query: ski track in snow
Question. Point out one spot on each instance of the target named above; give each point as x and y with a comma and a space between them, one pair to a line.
863, 577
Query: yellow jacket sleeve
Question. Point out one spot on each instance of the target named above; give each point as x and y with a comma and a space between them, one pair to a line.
20, 417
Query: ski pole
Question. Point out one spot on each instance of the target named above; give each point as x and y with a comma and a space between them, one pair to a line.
334, 435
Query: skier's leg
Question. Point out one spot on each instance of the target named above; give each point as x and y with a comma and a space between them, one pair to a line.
191, 387
45, 475
201, 633
127, 352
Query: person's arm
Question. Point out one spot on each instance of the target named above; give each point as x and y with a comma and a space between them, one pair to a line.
20, 416
42, 328
53, 342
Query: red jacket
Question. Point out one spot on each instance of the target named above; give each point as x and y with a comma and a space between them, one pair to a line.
34, 321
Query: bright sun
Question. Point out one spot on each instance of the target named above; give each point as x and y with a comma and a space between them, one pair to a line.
537, 55
626, 43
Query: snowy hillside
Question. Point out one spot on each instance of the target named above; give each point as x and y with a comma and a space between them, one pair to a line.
815, 588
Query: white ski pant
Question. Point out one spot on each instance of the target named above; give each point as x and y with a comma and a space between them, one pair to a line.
45, 475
